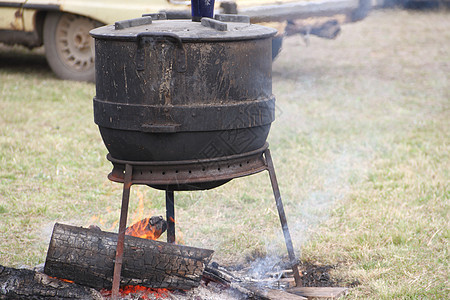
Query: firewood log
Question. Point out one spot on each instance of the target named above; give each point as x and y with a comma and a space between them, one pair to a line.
28, 284
87, 257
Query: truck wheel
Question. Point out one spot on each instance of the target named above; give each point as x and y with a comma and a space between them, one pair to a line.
68, 46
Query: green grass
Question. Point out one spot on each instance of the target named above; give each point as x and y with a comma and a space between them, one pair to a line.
360, 146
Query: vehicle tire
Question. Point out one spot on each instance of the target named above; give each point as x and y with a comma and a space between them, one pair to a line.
68, 46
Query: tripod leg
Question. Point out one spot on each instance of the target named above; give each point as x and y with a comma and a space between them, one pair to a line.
122, 227
284, 225
170, 216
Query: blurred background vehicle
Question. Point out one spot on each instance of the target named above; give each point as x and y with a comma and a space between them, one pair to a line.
62, 26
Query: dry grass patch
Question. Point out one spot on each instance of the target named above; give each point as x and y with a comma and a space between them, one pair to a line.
369, 112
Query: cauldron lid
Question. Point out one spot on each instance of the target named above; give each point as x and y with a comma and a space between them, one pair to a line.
187, 30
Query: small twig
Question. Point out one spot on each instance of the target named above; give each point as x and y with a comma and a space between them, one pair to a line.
429, 242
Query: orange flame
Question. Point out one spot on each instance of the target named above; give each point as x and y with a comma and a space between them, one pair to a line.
62, 279
143, 230
135, 217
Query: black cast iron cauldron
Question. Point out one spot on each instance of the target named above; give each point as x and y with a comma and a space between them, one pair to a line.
170, 90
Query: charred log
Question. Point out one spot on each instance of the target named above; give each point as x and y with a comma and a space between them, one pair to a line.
216, 273
87, 257
28, 284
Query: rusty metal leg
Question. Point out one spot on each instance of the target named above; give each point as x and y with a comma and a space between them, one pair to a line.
121, 238
284, 225
170, 216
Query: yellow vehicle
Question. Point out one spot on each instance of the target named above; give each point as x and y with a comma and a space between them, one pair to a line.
63, 26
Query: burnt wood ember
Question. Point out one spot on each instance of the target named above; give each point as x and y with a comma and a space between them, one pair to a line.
28, 284
269, 288
317, 275
87, 257
148, 228
216, 273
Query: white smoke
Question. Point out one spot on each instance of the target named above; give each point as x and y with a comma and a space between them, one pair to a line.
305, 214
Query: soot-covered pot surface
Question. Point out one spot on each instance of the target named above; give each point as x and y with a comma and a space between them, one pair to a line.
180, 90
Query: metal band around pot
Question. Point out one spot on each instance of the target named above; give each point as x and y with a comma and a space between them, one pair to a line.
169, 119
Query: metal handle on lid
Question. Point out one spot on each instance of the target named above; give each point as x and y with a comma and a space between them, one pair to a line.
214, 24
148, 37
133, 23
156, 16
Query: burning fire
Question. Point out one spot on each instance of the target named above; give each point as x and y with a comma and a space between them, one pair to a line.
143, 292
145, 228
63, 279
136, 216
148, 228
